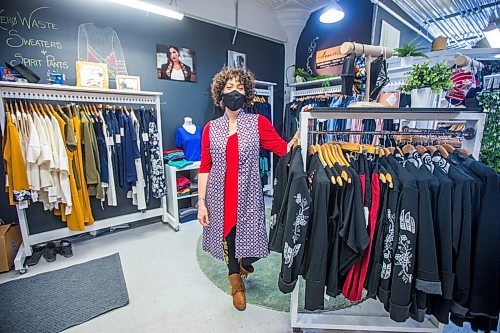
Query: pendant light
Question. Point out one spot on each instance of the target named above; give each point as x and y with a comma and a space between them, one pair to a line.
332, 13
492, 34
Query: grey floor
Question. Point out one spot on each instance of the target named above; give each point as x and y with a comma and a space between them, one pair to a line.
168, 291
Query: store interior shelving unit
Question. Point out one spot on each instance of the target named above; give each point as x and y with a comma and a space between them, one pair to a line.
310, 88
68, 94
175, 202
266, 89
380, 321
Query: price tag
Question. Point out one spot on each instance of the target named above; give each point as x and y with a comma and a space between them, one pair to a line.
52, 192
34, 196
122, 131
6, 181
109, 141
23, 204
145, 137
118, 138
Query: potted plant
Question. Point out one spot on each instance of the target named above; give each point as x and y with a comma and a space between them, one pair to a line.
425, 82
301, 75
408, 52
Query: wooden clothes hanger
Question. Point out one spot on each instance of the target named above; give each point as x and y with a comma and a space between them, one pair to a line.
431, 149
448, 148
463, 151
326, 155
421, 149
340, 153
408, 148
311, 150
320, 155
443, 151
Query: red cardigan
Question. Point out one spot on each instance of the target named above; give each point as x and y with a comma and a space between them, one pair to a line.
269, 140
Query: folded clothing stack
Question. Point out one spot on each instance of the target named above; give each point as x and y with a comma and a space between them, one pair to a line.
175, 157
194, 185
183, 186
188, 214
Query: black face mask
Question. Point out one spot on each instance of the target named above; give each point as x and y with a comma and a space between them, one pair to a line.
233, 100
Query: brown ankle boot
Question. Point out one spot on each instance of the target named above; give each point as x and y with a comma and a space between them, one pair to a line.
238, 291
244, 272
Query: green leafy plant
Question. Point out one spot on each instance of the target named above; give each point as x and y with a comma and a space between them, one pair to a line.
490, 146
302, 73
437, 77
410, 50
308, 77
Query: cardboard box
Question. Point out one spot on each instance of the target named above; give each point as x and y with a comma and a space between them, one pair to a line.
10, 240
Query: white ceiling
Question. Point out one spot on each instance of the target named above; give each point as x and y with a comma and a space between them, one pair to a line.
462, 21
307, 4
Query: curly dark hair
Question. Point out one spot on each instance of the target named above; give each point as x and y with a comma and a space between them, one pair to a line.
220, 79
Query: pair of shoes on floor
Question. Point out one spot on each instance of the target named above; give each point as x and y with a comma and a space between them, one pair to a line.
52, 249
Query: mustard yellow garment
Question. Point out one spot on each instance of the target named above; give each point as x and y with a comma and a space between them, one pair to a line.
82, 191
17, 177
74, 220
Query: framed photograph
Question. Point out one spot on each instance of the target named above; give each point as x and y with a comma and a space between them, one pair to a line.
126, 82
175, 63
92, 75
236, 59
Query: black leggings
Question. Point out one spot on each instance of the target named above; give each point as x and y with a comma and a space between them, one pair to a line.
229, 254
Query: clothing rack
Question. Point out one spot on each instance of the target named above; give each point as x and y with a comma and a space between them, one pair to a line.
411, 132
45, 92
372, 317
267, 89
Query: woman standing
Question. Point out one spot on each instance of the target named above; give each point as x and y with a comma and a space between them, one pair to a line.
174, 69
231, 203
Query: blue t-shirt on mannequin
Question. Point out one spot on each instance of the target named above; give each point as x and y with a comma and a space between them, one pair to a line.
188, 137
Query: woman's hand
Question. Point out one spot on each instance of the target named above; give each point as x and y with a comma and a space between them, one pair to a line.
295, 139
203, 215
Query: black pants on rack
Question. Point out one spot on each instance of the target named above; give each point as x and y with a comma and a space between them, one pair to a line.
230, 252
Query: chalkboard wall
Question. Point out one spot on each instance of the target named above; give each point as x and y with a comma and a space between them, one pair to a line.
44, 34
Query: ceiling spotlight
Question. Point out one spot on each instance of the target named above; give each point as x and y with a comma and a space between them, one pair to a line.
332, 13
492, 34
148, 7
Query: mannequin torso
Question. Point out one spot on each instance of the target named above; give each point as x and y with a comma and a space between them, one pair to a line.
189, 126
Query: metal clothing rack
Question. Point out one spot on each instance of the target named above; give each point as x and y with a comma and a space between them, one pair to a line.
267, 89
376, 318
410, 132
45, 92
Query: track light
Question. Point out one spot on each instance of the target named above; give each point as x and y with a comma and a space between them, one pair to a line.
332, 13
148, 7
492, 34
